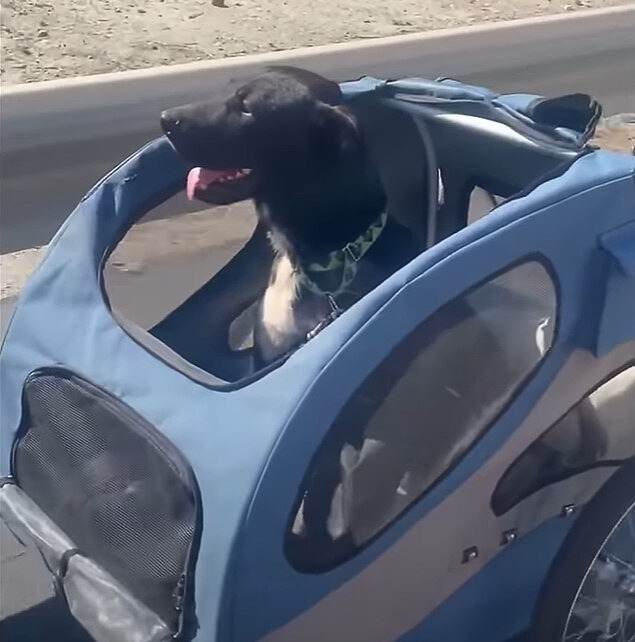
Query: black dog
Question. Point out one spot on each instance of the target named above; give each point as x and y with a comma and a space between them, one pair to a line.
285, 141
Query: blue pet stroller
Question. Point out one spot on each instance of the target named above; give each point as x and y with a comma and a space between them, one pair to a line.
452, 459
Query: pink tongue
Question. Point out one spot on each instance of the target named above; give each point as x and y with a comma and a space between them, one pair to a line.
200, 178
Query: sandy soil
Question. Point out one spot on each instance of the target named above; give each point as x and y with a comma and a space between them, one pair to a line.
617, 133
45, 39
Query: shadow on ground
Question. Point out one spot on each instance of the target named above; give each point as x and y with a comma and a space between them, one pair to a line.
52, 617
48, 620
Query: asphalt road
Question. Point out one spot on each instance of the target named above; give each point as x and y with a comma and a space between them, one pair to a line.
28, 610
55, 170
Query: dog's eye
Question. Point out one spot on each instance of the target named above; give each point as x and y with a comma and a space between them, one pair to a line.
239, 105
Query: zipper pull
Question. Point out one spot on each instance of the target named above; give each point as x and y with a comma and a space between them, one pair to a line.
179, 594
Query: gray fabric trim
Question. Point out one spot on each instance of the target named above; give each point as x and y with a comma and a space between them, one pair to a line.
104, 608
434, 179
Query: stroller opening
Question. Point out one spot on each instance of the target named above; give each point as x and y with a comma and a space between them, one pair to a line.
447, 155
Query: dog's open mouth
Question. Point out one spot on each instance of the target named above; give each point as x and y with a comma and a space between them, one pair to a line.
220, 187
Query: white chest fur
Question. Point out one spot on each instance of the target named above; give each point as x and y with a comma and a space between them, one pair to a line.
278, 327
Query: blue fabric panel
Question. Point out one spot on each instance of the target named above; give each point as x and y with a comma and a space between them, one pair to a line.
578, 113
447, 89
574, 116
62, 318
540, 222
518, 102
475, 90
69, 274
364, 85
617, 322
452, 95
498, 603
620, 244
260, 438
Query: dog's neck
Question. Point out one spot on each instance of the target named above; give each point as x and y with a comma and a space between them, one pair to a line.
307, 221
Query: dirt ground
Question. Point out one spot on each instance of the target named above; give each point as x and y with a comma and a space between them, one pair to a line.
45, 39
617, 133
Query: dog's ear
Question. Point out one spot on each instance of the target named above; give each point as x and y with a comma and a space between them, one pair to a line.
335, 131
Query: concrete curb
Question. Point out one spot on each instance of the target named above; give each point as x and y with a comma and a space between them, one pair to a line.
76, 109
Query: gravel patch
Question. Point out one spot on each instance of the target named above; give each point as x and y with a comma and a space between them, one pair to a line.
46, 39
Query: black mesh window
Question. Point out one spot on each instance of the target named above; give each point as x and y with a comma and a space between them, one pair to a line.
420, 411
598, 431
113, 483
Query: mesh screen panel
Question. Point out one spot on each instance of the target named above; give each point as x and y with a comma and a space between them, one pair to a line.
112, 482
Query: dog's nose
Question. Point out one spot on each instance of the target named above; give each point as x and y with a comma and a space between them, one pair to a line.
170, 122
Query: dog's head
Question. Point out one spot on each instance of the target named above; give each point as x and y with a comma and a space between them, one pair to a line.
285, 124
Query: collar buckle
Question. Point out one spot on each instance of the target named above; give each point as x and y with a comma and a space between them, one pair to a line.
353, 252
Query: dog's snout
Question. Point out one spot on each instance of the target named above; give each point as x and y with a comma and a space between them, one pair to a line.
170, 121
